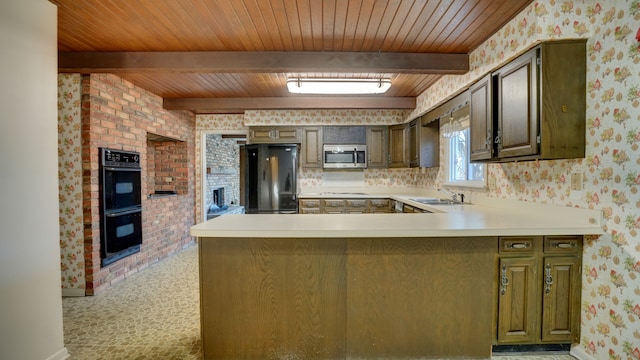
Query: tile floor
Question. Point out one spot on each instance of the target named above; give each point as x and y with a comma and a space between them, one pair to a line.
153, 315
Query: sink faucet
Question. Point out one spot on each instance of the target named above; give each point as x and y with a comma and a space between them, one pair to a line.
454, 196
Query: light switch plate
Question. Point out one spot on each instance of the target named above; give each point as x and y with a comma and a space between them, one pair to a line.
492, 182
576, 180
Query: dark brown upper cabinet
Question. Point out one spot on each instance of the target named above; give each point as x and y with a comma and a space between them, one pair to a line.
311, 147
481, 120
424, 143
533, 107
399, 146
377, 144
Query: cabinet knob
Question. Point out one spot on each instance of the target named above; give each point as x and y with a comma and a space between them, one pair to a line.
564, 108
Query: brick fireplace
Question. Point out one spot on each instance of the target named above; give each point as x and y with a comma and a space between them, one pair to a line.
117, 114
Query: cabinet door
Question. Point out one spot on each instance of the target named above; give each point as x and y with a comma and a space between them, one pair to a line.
561, 299
380, 206
481, 120
414, 143
274, 134
563, 99
332, 206
517, 91
259, 135
377, 140
309, 206
357, 206
517, 305
311, 147
398, 146
287, 134
429, 143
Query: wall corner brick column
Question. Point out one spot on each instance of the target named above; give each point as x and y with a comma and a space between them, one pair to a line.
117, 114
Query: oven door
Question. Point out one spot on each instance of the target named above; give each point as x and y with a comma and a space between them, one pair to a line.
121, 188
122, 234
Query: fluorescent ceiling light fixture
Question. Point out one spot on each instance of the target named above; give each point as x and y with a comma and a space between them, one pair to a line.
338, 86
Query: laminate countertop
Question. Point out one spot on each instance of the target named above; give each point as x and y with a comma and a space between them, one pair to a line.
482, 217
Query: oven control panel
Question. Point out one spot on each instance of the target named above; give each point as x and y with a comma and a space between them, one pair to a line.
120, 158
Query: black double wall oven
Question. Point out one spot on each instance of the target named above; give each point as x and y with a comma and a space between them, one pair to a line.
121, 204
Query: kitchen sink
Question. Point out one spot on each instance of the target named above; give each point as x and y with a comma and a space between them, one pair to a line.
436, 201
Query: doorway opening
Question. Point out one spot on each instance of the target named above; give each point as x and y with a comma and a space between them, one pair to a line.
222, 174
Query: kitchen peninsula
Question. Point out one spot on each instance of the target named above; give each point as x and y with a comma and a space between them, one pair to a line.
364, 286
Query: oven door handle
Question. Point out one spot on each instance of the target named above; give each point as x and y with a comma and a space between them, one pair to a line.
122, 168
126, 212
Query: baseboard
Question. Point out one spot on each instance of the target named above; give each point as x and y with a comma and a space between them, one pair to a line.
73, 292
530, 348
62, 354
579, 353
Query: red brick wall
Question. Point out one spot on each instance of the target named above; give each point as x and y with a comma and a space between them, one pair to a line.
168, 166
117, 114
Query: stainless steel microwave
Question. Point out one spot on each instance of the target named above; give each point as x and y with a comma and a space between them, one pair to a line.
344, 156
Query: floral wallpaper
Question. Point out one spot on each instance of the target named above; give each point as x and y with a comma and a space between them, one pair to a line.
70, 183
324, 117
220, 122
404, 177
611, 274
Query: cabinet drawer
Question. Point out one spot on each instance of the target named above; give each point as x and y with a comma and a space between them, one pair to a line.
333, 203
412, 209
356, 203
309, 203
518, 244
563, 244
379, 203
315, 210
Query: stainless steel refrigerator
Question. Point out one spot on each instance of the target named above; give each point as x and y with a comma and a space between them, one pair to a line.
271, 179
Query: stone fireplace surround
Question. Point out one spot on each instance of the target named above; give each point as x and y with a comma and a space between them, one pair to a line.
117, 114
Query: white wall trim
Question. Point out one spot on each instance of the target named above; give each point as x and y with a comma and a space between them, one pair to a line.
73, 292
62, 354
579, 352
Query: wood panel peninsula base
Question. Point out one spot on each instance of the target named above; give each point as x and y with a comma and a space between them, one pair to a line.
347, 298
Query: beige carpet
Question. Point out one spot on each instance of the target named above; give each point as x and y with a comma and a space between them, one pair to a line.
154, 314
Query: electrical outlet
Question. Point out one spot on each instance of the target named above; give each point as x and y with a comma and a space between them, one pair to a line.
576, 181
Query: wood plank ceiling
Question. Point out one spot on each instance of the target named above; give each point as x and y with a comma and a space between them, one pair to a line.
226, 56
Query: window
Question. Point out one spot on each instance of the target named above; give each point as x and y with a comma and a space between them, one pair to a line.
458, 170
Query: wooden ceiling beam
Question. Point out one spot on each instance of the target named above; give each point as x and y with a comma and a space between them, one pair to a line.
218, 105
262, 61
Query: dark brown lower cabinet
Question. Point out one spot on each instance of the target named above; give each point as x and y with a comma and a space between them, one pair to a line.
539, 285
517, 302
346, 298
